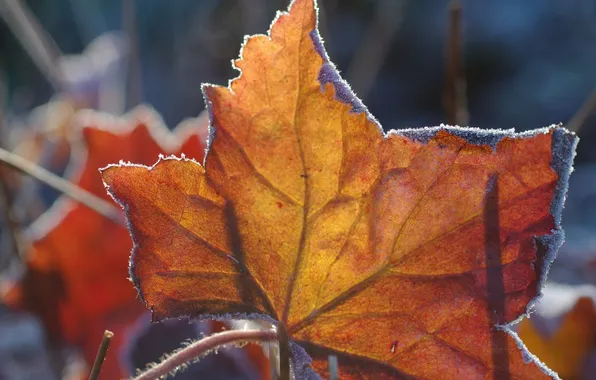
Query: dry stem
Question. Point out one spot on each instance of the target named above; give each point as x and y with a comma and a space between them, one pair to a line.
68, 188
203, 347
101, 354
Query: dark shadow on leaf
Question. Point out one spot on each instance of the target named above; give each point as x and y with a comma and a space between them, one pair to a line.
351, 366
495, 284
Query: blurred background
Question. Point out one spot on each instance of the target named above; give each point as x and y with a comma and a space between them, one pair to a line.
491, 64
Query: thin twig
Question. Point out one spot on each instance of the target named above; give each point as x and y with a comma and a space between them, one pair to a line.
101, 354
455, 99
36, 41
578, 120
10, 220
6, 198
69, 189
203, 347
370, 55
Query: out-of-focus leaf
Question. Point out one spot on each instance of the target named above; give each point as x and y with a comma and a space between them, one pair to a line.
76, 278
567, 349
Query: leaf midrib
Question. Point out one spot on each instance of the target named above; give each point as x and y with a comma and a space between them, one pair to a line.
306, 207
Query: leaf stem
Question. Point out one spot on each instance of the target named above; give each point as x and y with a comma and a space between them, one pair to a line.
203, 347
284, 352
101, 354
78, 194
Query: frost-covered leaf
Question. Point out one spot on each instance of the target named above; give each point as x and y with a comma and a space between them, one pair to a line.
399, 253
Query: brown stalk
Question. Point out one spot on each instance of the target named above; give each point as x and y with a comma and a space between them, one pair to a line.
454, 97
284, 352
101, 355
133, 70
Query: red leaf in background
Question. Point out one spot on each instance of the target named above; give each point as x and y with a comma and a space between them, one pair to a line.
76, 278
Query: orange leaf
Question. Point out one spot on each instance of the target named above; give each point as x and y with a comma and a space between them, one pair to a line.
565, 351
76, 276
398, 253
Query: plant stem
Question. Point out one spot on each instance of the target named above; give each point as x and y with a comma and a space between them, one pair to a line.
454, 98
37, 42
10, 220
203, 347
101, 354
82, 196
6, 199
284, 352
134, 89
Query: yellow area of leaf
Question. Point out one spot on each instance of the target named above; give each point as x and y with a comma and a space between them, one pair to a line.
397, 254
567, 349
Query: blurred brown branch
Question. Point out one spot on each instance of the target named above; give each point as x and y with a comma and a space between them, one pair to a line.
101, 354
133, 71
454, 98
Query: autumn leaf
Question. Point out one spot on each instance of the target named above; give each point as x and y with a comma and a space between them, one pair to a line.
404, 254
77, 269
567, 349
